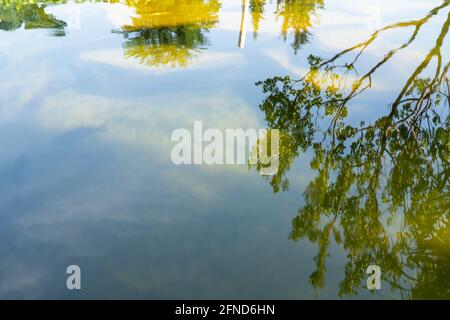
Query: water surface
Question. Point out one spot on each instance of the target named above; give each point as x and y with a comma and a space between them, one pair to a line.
92, 90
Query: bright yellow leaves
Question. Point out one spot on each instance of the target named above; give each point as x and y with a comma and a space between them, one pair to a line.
171, 13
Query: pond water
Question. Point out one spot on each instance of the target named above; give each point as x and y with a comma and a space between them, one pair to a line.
92, 91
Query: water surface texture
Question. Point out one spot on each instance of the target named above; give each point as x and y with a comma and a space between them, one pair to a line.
91, 91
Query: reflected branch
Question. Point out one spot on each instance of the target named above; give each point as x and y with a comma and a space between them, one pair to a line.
381, 189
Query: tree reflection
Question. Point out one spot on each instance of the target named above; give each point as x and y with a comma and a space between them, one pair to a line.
257, 12
381, 190
169, 31
295, 16
164, 32
14, 15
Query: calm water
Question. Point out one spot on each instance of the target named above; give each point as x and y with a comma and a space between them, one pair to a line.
90, 95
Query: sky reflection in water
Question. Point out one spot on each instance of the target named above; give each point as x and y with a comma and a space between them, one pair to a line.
92, 91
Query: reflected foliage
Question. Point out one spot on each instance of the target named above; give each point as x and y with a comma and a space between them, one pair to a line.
163, 32
169, 32
295, 16
381, 190
257, 12
172, 46
14, 15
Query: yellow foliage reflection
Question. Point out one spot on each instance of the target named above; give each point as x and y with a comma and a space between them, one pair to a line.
171, 13
295, 16
169, 32
163, 32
